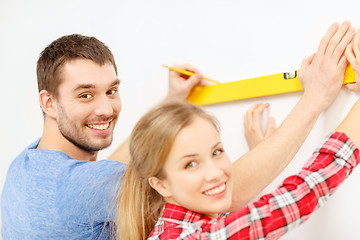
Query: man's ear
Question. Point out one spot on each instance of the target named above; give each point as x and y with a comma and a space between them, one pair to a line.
159, 186
47, 103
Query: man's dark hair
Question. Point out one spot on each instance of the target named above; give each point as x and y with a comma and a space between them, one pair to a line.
65, 49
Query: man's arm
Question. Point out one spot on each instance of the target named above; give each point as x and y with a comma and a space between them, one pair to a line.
179, 87
321, 76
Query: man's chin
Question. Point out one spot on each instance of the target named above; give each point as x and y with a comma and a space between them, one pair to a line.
94, 147
103, 145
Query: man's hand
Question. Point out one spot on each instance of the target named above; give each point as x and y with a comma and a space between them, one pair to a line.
322, 74
252, 125
352, 54
180, 85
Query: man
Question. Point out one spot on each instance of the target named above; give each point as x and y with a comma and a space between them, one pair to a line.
55, 189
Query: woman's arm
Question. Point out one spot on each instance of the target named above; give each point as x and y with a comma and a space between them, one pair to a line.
321, 76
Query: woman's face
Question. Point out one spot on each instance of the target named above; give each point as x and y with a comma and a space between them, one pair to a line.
198, 171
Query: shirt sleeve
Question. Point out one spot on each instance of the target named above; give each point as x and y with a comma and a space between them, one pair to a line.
292, 203
89, 192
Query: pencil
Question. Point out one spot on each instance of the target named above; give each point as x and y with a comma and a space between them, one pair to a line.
188, 73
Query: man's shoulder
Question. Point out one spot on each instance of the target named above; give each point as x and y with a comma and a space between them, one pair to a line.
45, 158
31, 153
48, 168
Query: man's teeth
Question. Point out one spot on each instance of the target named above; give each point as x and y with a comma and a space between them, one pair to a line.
99, 126
215, 190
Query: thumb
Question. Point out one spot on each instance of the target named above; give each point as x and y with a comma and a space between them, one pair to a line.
194, 80
271, 126
343, 64
311, 58
352, 87
307, 61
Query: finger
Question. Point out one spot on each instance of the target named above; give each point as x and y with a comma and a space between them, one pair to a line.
349, 54
251, 110
174, 74
355, 43
248, 118
203, 83
260, 108
339, 50
311, 58
249, 113
353, 87
350, 57
194, 80
246, 124
342, 65
325, 40
257, 114
187, 67
336, 39
352, 52
307, 61
271, 126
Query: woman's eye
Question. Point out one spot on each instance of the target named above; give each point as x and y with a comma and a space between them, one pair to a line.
191, 164
217, 152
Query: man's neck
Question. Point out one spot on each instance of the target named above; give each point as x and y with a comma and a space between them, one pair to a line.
52, 139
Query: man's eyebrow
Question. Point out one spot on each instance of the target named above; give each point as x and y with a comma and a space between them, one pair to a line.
116, 82
84, 86
88, 85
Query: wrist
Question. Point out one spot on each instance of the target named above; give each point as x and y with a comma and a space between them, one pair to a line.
304, 114
314, 103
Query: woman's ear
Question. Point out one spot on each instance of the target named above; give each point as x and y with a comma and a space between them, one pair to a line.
47, 103
159, 186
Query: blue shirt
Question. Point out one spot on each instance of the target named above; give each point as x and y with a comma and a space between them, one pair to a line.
49, 195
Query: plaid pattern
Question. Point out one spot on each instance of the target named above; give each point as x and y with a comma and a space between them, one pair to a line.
273, 214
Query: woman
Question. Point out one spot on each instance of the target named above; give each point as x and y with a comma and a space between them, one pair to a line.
179, 182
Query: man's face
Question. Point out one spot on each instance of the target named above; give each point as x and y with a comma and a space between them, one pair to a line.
88, 104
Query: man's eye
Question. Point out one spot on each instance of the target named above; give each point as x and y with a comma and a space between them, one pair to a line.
112, 91
85, 96
191, 164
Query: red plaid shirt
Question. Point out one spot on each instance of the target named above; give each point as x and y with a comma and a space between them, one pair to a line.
274, 214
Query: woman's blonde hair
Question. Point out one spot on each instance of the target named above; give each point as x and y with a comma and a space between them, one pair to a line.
139, 205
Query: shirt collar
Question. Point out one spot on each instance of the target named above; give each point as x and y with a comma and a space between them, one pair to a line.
172, 212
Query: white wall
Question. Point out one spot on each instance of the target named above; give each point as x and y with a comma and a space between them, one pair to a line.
227, 40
